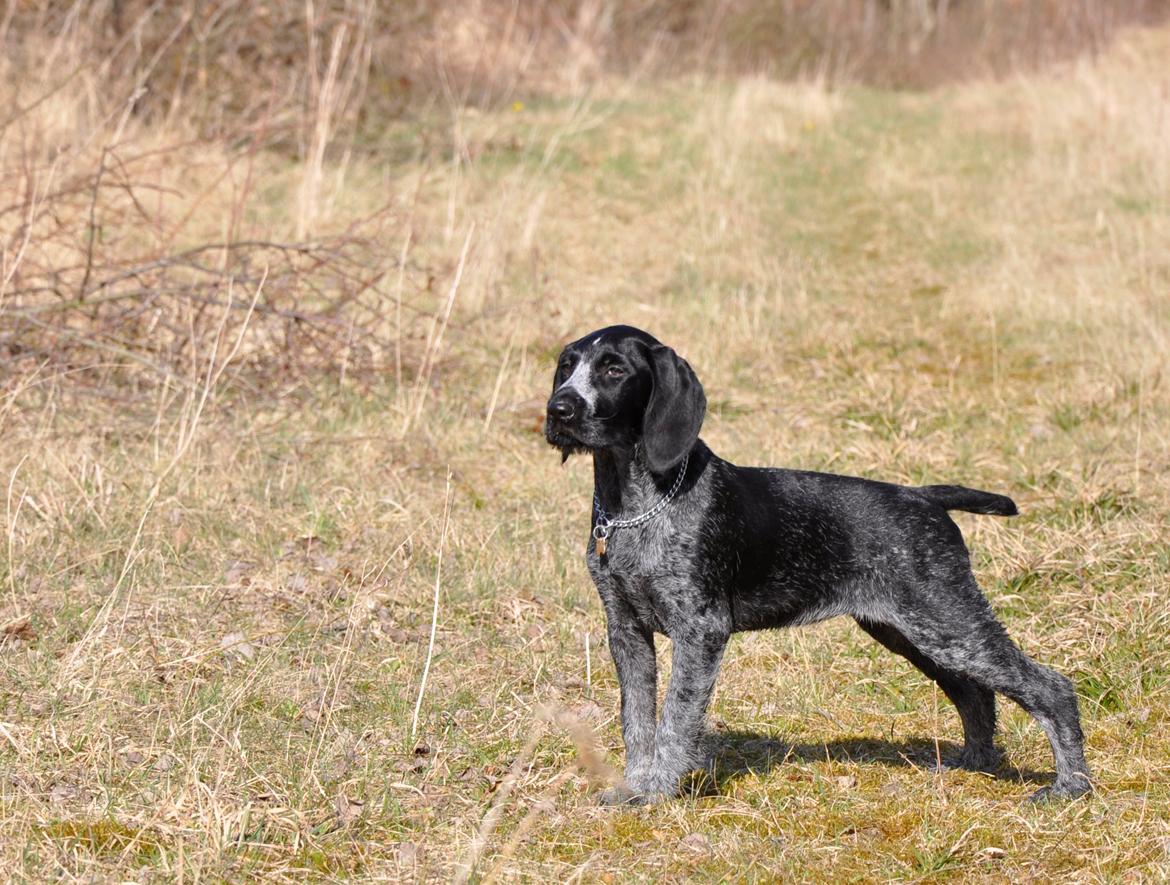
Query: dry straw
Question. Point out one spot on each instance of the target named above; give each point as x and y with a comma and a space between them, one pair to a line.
281, 285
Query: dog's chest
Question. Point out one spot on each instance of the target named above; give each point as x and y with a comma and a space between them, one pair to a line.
661, 546
648, 568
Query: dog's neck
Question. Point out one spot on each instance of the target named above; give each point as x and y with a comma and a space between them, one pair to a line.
624, 483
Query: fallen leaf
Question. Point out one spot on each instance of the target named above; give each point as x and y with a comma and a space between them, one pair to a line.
237, 645
236, 573
180, 536
164, 763
697, 843
64, 793
348, 809
408, 853
323, 563
846, 782
18, 628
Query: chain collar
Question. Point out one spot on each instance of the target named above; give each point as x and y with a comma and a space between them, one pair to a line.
605, 524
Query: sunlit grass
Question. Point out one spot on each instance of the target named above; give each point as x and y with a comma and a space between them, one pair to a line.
921, 288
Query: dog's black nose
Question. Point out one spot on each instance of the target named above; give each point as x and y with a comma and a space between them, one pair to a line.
563, 407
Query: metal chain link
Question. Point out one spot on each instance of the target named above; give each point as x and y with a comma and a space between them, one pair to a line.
605, 524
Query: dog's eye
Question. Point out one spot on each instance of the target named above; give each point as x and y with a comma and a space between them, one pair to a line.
614, 372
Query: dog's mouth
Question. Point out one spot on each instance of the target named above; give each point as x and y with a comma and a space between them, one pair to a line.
559, 434
564, 438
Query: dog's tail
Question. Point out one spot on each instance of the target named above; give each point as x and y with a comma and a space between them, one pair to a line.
970, 500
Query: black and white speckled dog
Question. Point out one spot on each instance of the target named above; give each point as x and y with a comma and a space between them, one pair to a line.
688, 545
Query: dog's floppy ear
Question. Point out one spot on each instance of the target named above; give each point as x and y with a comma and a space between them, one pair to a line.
675, 411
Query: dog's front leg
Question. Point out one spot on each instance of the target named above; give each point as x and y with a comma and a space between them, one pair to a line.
697, 650
632, 648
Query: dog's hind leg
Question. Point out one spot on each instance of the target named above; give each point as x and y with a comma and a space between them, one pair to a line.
954, 626
975, 703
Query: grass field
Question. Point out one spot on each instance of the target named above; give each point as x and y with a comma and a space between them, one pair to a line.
217, 589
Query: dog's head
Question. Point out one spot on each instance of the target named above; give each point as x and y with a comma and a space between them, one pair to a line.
619, 387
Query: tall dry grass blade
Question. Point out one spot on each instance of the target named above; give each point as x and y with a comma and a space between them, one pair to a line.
500, 375
422, 686
590, 756
11, 516
495, 811
329, 95
538, 807
435, 339
188, 426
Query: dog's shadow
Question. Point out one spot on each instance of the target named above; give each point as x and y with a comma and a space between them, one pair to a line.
737, 754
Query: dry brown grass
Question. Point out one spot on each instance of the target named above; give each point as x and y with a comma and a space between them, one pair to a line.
222, 524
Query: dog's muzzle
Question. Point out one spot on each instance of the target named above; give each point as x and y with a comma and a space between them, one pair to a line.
566, 408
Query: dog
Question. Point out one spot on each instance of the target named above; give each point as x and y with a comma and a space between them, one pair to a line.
686, 544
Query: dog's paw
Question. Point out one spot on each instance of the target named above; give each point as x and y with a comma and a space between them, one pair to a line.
653, 798
617, 795
987, 761
1069, 788
654, 787
622, 794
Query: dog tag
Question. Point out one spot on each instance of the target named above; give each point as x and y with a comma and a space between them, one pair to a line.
600, 537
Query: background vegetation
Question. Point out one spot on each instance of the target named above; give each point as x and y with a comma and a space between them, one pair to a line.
290, 584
